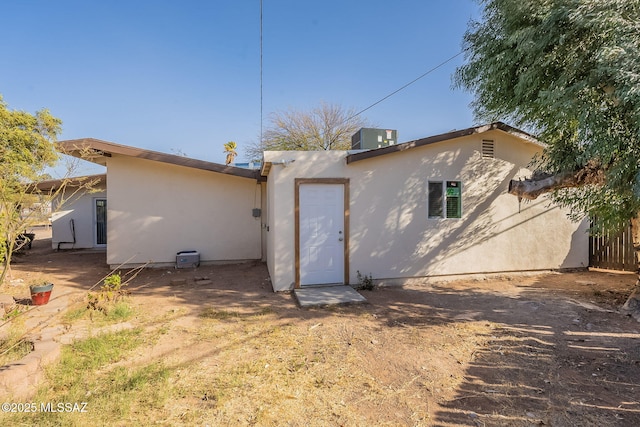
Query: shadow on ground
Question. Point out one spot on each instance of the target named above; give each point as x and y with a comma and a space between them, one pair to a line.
549, 360
552, 355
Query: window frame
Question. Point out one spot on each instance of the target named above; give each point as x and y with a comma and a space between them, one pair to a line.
441, 211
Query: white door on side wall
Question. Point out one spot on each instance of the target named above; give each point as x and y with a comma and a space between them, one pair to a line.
322, 234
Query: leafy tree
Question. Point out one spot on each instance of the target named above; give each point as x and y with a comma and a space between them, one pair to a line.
326, 127
568, 70
230, 149
26, 148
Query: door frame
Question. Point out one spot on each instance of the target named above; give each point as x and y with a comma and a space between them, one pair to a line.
337, 181
95, 222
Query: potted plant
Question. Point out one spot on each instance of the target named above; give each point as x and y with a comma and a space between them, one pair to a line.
40, 292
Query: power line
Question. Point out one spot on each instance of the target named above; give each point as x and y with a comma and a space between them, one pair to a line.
359, 112
406, 85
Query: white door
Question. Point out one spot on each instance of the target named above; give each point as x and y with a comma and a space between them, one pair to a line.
322, 240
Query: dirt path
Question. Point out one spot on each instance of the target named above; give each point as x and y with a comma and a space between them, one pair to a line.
521, 350
557, 353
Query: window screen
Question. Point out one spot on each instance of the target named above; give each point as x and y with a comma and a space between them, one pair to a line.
454, 199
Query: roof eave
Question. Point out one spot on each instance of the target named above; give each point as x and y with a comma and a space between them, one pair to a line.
54, 184
440, 138
96, 151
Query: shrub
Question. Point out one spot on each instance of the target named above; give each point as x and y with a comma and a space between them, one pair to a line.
365, 282
110, 293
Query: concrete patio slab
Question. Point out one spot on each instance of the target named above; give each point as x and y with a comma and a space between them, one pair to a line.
321, 296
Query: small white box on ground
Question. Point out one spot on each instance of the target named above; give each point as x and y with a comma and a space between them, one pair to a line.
187, 259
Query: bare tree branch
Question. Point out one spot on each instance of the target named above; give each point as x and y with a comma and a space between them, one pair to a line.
541, 183
325, 127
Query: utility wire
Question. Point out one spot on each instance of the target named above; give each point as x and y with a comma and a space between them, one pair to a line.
406, 85
361, 111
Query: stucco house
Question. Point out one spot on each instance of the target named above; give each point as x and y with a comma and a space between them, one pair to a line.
78, 217
161, 204
435, 206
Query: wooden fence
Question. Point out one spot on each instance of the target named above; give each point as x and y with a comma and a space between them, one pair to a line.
612, 251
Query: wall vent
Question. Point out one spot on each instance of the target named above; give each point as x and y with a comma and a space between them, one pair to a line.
487, 149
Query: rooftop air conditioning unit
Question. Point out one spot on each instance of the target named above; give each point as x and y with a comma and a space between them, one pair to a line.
369, 138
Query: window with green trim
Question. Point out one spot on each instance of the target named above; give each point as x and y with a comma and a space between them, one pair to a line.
445, 199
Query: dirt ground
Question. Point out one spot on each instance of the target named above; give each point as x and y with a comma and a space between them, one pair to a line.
516, 350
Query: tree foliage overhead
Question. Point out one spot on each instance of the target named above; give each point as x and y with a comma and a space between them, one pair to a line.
325, 127
26, 149
26, 144
568, 70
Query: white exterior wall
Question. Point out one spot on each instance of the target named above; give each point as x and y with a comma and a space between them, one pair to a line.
391, 236
156, 210
81, 209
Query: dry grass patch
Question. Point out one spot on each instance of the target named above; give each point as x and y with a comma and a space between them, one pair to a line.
13, 348
266, 371
88, 373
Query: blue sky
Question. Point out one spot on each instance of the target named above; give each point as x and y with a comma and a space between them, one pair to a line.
185, 75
